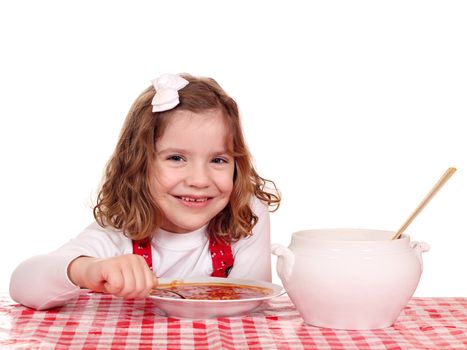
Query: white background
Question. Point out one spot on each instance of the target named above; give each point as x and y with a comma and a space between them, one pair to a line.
354, 109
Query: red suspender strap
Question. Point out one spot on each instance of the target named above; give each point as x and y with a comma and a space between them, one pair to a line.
143, 248
221, 255
222, 258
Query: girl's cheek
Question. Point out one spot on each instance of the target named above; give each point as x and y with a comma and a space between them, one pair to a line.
226, 184
167, 176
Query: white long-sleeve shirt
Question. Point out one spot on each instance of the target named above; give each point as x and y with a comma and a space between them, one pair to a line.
42, 282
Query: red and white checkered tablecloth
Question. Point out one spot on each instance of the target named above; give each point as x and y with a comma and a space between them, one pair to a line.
104, 322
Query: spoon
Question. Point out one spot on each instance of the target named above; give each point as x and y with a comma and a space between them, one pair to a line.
425, 201
170, 291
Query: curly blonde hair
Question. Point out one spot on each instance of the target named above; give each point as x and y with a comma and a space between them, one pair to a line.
124, 200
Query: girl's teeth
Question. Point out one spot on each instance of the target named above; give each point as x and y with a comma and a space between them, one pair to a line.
194, 199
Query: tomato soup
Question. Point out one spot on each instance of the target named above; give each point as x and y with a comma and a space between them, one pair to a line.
211, 291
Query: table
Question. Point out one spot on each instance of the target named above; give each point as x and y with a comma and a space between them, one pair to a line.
99, 321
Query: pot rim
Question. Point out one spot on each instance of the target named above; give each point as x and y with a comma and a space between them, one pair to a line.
350, 235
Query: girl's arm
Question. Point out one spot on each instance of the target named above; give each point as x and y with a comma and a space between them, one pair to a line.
50, 280
252, 255
41, 282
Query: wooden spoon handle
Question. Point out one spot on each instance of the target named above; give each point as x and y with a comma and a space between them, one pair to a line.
425, 201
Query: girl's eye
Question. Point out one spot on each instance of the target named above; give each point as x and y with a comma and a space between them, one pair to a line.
219, 160
175, 158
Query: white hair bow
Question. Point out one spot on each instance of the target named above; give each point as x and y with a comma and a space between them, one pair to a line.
167, 86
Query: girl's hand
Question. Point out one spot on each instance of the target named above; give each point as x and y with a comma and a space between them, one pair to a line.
126, 276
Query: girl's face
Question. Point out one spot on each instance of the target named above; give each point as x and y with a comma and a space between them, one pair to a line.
192, 177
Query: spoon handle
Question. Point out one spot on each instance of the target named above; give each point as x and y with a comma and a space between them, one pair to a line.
169, 291
425, 201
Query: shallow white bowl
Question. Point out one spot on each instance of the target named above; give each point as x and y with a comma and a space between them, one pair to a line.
190, 308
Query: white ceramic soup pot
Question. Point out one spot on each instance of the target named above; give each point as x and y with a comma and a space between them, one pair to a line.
349, 278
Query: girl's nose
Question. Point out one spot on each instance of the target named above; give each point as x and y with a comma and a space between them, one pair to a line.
198, 176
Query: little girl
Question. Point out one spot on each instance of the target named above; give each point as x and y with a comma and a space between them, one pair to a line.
180, 198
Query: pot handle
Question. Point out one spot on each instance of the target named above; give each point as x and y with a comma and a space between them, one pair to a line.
285, 261
419, 248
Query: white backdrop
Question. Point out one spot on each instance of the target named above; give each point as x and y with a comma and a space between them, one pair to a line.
354, 109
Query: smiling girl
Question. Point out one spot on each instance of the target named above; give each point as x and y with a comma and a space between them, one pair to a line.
180, 198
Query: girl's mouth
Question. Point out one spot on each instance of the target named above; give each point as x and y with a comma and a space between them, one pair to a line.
194, 202
192, 199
